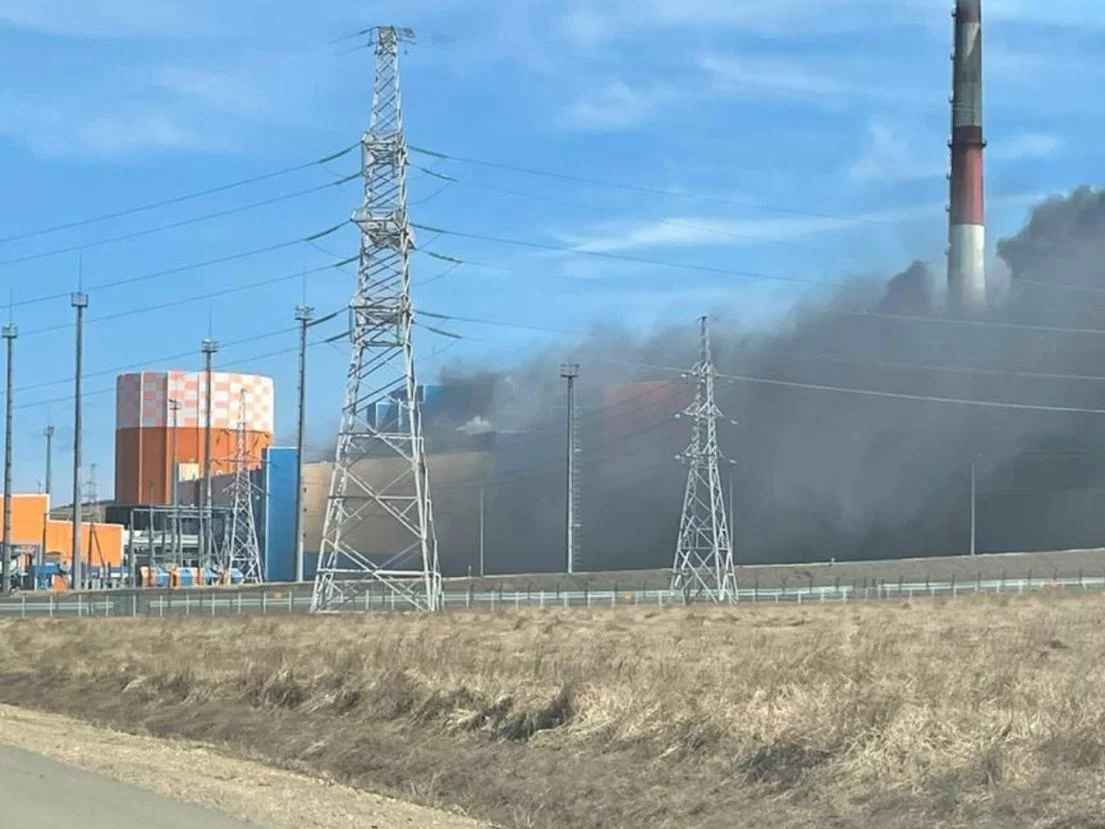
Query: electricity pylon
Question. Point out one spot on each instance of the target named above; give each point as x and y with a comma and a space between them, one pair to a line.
399, 550
241, 550
703, 568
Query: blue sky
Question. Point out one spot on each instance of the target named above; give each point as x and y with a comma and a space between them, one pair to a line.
833, 108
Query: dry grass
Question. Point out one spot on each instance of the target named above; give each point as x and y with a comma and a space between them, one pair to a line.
984, 713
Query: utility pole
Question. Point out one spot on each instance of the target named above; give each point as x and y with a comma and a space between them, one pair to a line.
174, 483
381, 369
483, 572
974, 495
10, 334
208, 347
704, 553
570, 371
79, 301
303, 315
48, 433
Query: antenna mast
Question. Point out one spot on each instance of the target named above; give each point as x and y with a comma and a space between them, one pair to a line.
380, 472
703, 566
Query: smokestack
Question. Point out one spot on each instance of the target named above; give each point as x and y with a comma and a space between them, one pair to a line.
966, 232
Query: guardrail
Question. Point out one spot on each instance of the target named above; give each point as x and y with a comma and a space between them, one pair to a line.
232, 602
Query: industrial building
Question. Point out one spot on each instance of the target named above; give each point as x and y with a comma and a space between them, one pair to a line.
160, 420
42, 547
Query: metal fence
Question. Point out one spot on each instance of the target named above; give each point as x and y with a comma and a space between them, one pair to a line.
297, 599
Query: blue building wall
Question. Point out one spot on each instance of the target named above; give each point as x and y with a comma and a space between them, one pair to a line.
278, 522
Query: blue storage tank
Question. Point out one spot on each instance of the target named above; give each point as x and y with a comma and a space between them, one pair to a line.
277, 520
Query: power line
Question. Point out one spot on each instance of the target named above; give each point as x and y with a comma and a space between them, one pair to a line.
923, 398
185, 268
178, 199
717, 231
829, 388
611, 212
168, 358
654, 191
1047, 375
261, 283
174, 225
824, 357
687, 266
640, 260
970, 323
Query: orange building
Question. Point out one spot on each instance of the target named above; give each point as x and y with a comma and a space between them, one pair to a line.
32, 531
159, 412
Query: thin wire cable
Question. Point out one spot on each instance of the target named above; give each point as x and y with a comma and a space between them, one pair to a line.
639, 260
175, 225
996, 372
164, 359
234, 257
654, 191
827, 388
922, 398
132, 312
130, 211
717, 231
1010, 326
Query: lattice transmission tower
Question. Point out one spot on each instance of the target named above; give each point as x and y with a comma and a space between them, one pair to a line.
241, 549
703, 568
379, 526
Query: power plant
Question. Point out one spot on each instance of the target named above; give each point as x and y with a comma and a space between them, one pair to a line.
966, 213
196, 456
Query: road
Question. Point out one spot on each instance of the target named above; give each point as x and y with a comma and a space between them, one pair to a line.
39, 793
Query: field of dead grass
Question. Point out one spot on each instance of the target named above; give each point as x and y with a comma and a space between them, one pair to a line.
969, 713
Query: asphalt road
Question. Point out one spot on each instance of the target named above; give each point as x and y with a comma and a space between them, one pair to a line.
38, 793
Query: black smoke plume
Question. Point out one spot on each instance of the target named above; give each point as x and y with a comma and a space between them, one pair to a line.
818, 474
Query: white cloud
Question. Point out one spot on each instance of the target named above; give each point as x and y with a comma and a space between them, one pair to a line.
1065, 13
706, 231
584, 27
103, 18
613, 17
66, 131
739, 75
776, 17
616, 106
218, 89
1029, 145
118, 134
890, 158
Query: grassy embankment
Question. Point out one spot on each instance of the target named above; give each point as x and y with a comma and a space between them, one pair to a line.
972, 713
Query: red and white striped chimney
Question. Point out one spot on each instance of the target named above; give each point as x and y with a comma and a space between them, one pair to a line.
967, 232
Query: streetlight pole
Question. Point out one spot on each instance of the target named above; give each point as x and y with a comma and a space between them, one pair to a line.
48, 433
482, 570
208, 347
570, 372
303, 315
79, 301
974, 497
174, 484
10, 333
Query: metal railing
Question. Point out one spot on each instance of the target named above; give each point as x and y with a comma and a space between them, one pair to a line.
297, 600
